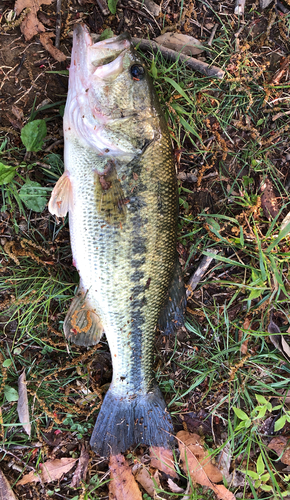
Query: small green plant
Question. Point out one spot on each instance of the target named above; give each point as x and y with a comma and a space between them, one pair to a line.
260, 477
258, 413
33, 135
80, 429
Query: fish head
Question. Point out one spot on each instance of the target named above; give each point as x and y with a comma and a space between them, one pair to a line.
111, 106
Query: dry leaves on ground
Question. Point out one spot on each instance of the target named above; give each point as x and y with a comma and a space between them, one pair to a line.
185, 44
82, 468
143, 477
50, 471
279, 445
269, 200
123, 485
196, 461
6, 492
30, 25
244, 345
162, 459
278, 340
45, 39
22, 405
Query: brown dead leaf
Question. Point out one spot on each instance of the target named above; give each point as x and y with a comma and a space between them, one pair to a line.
174, 487
123, 485
279, 445
269, 200
45, 39
22, 405
30, 25
185, 44
50, 471
18, 112
162, 459
143, 477
82, 467
196, 468
278, 340
246, 326
6, 492
194, 443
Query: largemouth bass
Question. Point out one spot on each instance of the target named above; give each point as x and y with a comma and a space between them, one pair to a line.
120, 190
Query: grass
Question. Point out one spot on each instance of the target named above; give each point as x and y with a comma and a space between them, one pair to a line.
209, 373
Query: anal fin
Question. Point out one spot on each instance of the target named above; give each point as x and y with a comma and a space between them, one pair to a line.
82, 325
61, 197
172, 314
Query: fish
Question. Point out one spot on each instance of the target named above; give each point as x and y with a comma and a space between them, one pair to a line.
119, 188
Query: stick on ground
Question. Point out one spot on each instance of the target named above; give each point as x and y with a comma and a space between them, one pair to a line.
172, 55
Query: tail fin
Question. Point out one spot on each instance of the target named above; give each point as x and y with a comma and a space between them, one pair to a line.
127, 421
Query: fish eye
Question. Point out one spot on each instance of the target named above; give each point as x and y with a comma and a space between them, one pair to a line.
137, 71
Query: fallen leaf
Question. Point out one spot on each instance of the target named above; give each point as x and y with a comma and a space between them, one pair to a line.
30, 25
143, 477
269, 199
6, 492
185, 44
196, 469
82, 467
244, 345
162, 459
224, 461
278, 340
285, 221
279, 445
18, 112
194, 443
174, 487
22, 405
49, 471
32, 477
123, 485
45, 39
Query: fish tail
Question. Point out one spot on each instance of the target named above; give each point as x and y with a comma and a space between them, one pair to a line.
128, 421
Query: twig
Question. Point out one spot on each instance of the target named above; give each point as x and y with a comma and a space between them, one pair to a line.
210, 40
196, 277
172, 55
3, 450
58, 23
102, 4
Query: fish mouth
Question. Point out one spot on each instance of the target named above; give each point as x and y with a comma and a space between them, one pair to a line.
103, 59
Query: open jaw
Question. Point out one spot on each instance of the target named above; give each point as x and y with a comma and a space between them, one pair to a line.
102, 59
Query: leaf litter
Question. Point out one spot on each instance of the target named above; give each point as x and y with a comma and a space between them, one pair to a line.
196, 461
22, 405
50, 471
31, 25
6, 492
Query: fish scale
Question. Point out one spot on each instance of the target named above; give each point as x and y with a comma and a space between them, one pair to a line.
120, 190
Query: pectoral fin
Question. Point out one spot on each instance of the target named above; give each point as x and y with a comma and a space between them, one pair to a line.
82, 325
61, 197
110, 196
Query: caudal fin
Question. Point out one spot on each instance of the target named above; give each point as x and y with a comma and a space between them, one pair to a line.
124, 422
